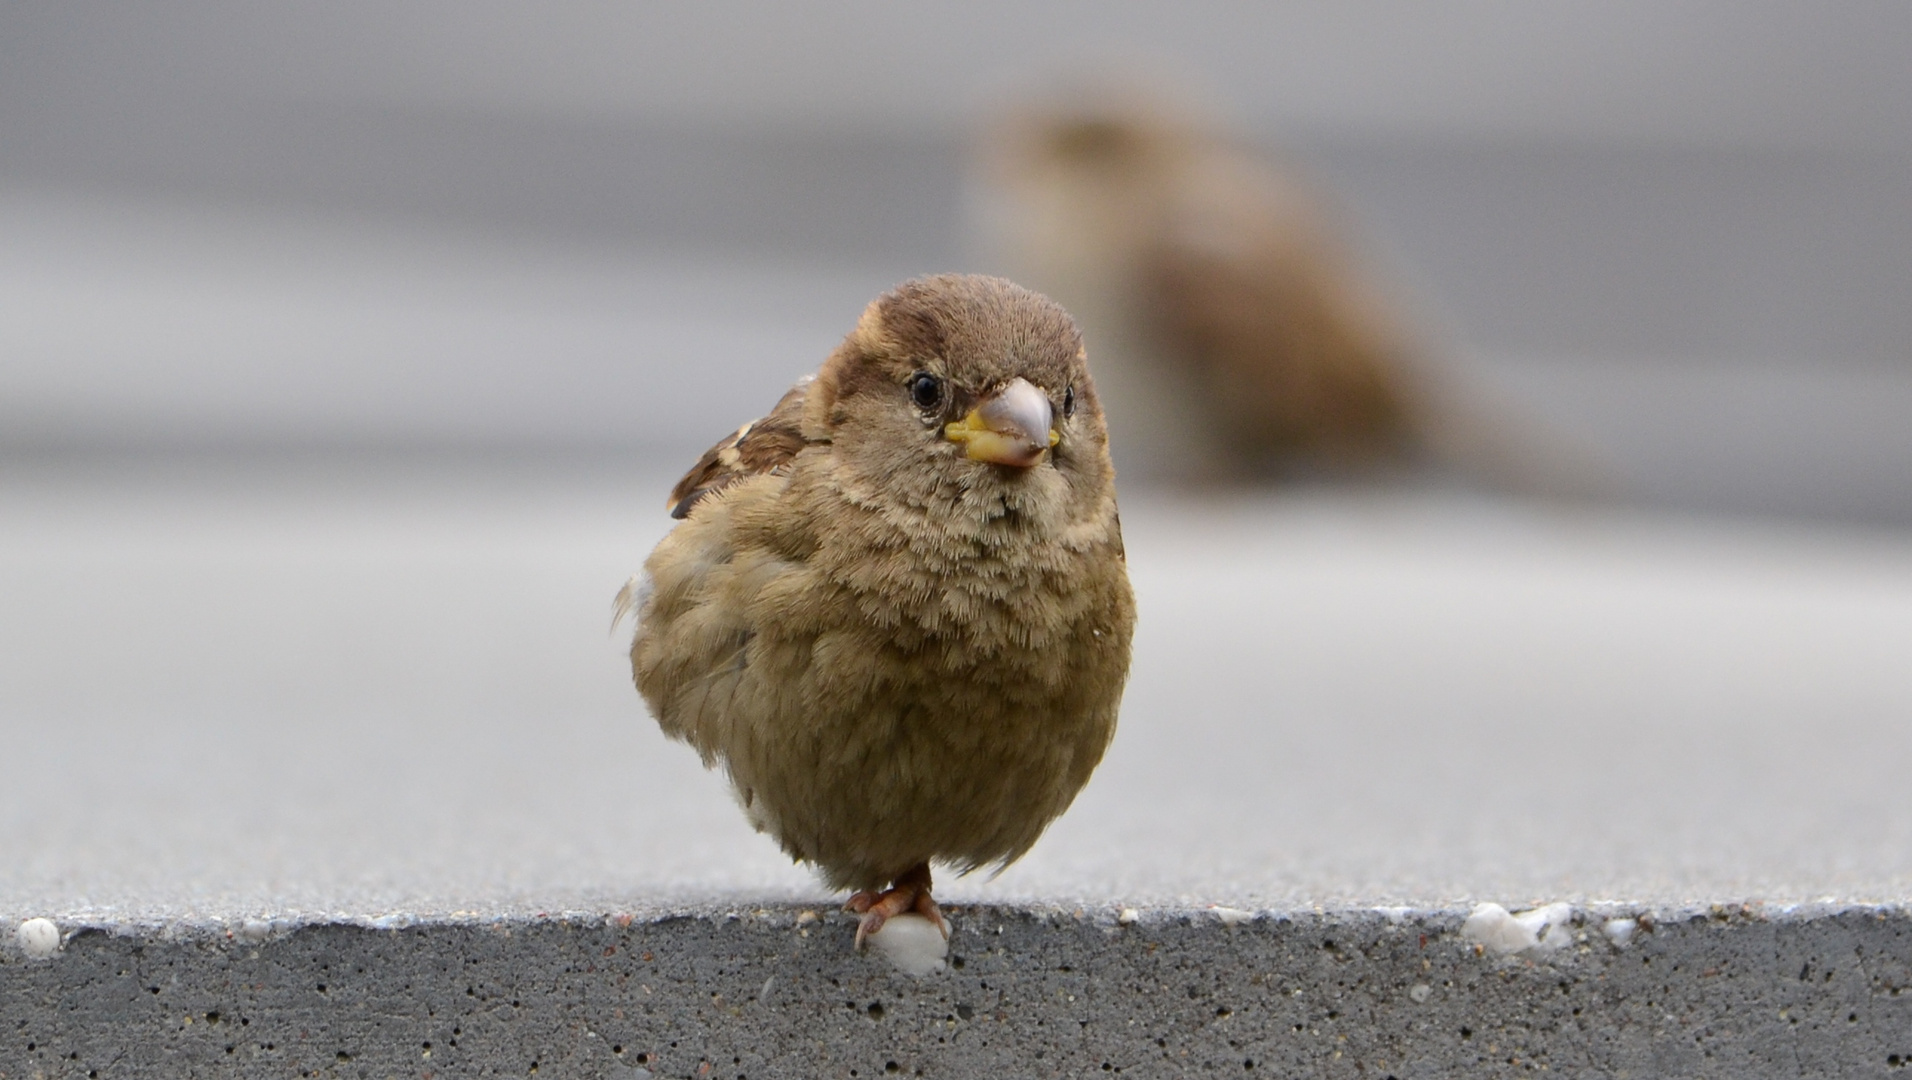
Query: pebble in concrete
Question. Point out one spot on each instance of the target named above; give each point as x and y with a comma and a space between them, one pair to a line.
1541, 930
38, 938
912, 943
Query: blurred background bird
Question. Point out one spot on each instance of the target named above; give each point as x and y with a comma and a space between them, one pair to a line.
1235, 334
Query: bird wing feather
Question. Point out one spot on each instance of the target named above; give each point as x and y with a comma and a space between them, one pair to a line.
762, 446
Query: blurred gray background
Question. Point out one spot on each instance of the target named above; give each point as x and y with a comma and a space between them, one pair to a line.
347, 351
1679, 234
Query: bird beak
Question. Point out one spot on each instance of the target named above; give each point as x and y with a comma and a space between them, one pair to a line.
1009, 427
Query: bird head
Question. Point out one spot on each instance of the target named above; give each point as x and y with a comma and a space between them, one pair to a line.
967, 387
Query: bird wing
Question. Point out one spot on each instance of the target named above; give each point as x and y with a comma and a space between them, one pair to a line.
762, 446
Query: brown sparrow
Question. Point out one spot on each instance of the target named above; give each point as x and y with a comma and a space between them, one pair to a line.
896, 609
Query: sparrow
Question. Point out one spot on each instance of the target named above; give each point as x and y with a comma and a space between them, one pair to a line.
1235, 335
896, 609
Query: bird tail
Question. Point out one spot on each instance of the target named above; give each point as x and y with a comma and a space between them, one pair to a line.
1469, 431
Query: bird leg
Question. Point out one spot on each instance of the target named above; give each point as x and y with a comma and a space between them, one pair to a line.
909, 892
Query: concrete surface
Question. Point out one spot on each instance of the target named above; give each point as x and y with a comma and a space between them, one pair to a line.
359, 722
363, 688
756, 994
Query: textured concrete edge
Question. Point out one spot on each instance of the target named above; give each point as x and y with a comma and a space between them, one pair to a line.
783, 913
736, 990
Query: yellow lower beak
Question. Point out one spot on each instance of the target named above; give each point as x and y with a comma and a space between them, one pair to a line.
1009, 427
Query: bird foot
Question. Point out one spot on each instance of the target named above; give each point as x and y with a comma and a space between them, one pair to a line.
909, 892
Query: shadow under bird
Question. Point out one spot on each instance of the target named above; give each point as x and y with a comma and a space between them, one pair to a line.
896, 609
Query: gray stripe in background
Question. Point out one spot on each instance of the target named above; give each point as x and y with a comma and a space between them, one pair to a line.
1679, 234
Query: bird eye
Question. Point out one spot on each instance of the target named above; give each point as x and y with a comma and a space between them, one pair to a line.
926, 390
1068, 402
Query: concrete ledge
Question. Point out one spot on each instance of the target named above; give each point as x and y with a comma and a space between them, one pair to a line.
770, 992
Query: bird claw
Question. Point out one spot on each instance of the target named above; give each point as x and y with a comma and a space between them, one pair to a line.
909, 893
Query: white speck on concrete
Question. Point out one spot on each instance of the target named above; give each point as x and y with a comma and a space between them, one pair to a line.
912, 943
1394, 915
1231, 916
1420, 993
763, 992
1620, 931
1542, 929
1128, 916
38, 938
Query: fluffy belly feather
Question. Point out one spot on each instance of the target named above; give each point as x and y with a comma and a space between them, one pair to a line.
867, 748
868, 786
